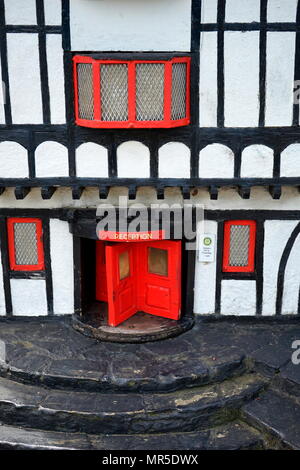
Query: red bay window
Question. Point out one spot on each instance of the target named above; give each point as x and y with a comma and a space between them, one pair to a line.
132, 94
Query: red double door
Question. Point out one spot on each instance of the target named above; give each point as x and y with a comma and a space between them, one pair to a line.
142, 276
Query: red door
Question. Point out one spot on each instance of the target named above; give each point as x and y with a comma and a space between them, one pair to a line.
121, 282
101, 282
159, 278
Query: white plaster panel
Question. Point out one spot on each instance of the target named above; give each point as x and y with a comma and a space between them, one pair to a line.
2, 295
133, 25
280, 78
238, 297
277, 234
257, 162
242, 11
205, 275
52, 12
51, 159
290, 161
282, 11
241, 75
216, 161
208, 79
91, 161
209, 11
13, 160
29, 297
174, 161
61, 251
133, 160
292, 281
2, 97
20, 12
56, 78
24, 78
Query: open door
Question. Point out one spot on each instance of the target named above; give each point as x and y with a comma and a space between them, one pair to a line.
101, 282
159, 278
121, 283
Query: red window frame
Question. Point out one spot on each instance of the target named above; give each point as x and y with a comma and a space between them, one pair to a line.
40, 266
167, 122
251, 249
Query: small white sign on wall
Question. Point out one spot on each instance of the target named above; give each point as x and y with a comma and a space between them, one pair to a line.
207, 248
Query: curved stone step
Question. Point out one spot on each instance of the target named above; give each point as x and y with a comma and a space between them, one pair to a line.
234, 436
277, 415
52, 353
89, 412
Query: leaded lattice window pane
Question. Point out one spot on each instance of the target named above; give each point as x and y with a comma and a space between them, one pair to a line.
26, 250
114, 92
85, 91
178, 91
239, 245
150, 92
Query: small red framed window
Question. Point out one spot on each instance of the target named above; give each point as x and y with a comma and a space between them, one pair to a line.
239, 246
132, 94
25, 244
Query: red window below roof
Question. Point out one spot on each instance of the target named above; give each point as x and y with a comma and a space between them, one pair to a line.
25, 244
239, 246
132, 94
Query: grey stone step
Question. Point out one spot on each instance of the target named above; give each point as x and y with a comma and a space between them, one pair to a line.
185, 410
234, 436
277, 415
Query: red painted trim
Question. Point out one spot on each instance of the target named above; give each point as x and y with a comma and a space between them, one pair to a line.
11, 244
251, 249
97, 91
168, 92
131, 236
131, 93
132, 122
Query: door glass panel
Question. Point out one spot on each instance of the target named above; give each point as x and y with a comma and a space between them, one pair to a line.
158, 261
124, 267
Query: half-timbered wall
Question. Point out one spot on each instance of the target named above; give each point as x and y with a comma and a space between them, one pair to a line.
241, 149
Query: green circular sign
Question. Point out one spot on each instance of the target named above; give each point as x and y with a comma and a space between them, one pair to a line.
207, 241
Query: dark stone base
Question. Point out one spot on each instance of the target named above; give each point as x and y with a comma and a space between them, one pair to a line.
140, 328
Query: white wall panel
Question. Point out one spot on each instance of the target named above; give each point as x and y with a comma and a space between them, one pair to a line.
208, 79
277, 234
20, 12
56, 78
2, 98
241, 68
280, 78
216, 161
209, 11
238, 297
53, 12
174, 161
242, 11
292, 281
205, 276
133, 160
61, 251
13, 160
257, 162
51, 159
290, 161
24, 78
282, 11
130, 26
29, 297
91, 161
